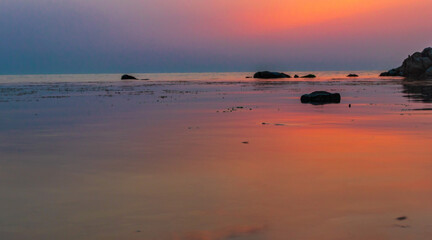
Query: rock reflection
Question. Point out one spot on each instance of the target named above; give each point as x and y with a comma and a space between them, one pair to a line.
418, 91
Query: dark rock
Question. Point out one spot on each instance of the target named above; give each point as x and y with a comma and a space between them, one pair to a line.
427, 52
402, 218
352, 75
392, 73
309, 76
248, 77
270, 75
427, 74
415, 66
128, 77
296, 76
321, 97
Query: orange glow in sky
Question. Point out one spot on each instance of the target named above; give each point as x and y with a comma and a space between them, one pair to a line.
275, 15
211, 35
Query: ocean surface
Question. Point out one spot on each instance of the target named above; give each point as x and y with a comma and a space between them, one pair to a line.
229, 76
214, 156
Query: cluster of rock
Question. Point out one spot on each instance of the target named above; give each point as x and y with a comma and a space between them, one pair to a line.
272, 75
416, 66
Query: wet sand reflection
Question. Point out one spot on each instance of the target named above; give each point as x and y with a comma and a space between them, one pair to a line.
122, 162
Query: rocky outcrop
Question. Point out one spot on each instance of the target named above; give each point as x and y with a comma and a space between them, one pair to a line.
270, 75
321, 97
416, 66
128, 77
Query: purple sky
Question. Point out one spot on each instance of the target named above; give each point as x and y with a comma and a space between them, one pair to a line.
112, 36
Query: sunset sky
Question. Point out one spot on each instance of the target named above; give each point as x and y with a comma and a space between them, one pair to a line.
113, 36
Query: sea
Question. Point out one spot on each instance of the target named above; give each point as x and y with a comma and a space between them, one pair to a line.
214, 156
210, 76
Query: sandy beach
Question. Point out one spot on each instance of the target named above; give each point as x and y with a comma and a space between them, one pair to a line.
216, 158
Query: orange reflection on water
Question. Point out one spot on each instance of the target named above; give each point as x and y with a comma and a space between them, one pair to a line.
180, 168
307, 177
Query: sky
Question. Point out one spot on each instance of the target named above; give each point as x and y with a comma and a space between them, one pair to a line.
139, 36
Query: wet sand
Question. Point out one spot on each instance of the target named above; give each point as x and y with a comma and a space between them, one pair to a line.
199, 160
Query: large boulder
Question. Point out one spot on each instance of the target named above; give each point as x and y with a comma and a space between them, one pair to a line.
269, 75
128, 77
321, 97
416, 66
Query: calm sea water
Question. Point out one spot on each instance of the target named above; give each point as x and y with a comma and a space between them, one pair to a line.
231, 76
213, 157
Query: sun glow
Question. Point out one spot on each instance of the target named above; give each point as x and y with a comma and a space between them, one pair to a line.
277, 15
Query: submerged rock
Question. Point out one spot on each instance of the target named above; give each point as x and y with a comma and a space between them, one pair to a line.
321, 97
416, 66
309, 76
352, 75
128, 77
269, 75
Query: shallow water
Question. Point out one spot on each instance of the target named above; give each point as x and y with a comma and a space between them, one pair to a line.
224, 158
